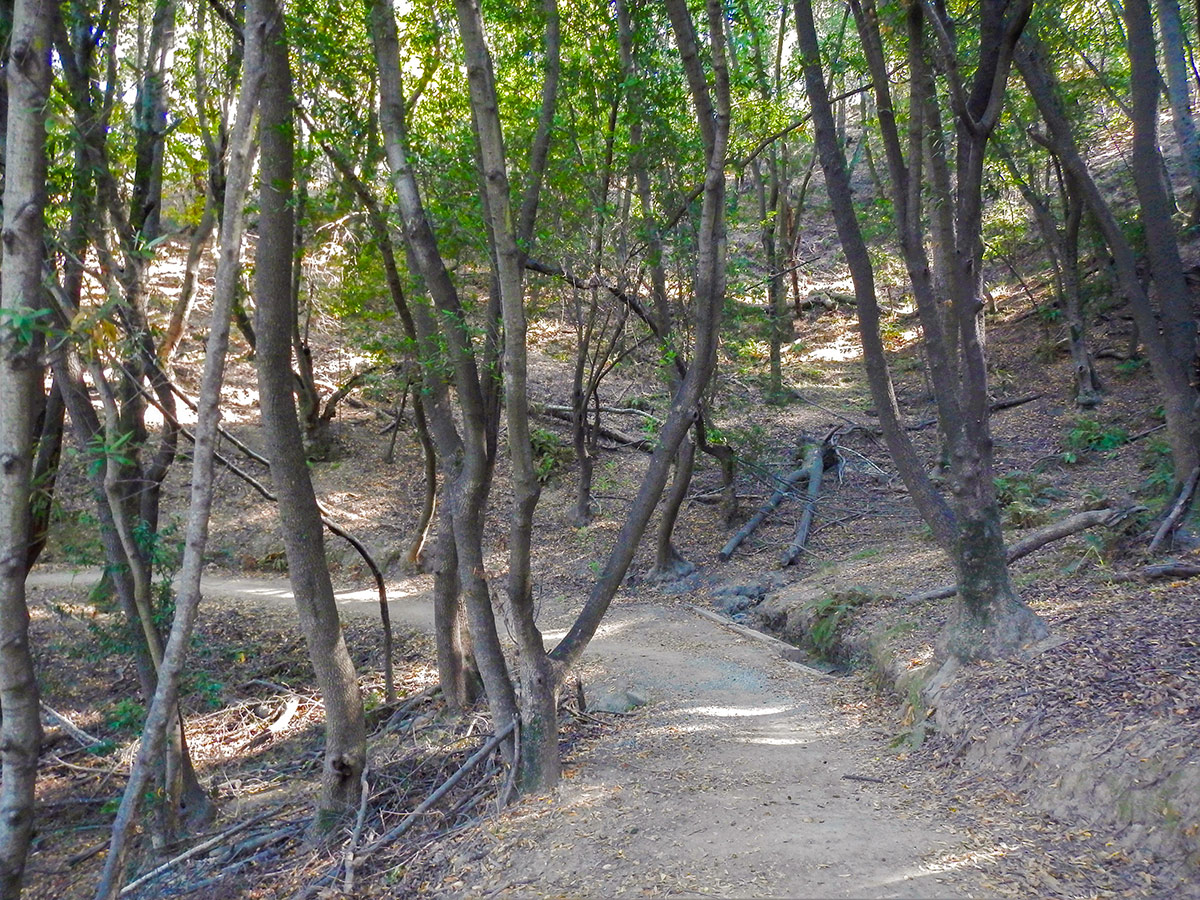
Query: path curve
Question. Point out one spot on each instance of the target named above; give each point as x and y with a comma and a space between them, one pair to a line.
728, 782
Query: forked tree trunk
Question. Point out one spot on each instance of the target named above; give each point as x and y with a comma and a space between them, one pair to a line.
465, 457
27, 70
990, 620
540, 764
308, 571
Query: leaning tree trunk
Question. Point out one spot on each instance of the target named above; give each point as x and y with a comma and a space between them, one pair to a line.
28, 82
163, 709
712, 116
1154, 209
308, 571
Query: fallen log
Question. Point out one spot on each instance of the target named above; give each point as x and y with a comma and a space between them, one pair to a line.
627, 440
814, 465
1006, 403
785, 488
1182, 505
1056, 531
1160, 570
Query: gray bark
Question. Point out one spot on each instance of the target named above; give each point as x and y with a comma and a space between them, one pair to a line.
163, 706
303, 538
1162, 327
27, 73
540, 766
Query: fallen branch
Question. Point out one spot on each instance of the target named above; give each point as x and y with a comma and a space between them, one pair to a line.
785, 488
81, 737
356, 835
628, 440
1161, 570
1007, 403
614, 410
193, 851
1054, 532
814, 465
1182, 505
410, 704
481, 754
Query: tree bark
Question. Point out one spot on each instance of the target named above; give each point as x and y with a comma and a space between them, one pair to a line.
712, 114
163, 708
1165, 330
465, 457
1170, 23
27, 73
540, 764
308, 571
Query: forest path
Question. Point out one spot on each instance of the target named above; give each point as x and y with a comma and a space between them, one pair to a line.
728, 782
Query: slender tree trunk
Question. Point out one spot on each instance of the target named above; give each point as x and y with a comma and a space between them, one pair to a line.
1164, 328
669, 563
163, 707
540, 766
1177, 320
27, 72
712, 117
466, 457
1170, 22
308, 571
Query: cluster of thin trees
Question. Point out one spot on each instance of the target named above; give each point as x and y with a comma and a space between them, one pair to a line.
591, 147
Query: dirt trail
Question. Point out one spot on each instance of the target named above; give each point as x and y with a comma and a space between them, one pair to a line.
728, 782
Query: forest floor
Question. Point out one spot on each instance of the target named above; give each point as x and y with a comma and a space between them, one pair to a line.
703, 763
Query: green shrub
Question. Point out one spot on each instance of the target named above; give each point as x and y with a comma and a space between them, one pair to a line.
1089, 434
550, 453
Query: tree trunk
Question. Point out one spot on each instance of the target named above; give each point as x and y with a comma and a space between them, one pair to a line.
712, 116
1170, 22
1178, 323
27, 71
1164, 328
308, 571
163, 708
541, 766
669, 563
466, 457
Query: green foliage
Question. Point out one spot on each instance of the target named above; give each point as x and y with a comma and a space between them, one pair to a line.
21, 324
204, 687
125, 716
1023, 498
104, 451
550, 453
1127, 368
1159, 464
831, 616
1091, 435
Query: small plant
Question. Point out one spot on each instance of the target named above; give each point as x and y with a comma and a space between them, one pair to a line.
831, 615
126, 715
1158, 463
1089, 434
204, 687
550, 454
1023, 498
1127, 368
